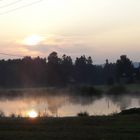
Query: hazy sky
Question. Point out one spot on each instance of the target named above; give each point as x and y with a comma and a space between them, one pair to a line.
100, 28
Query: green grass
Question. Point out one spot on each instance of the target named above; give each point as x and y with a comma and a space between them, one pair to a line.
74, 128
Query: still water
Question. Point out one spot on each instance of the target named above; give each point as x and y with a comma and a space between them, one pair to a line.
63, 103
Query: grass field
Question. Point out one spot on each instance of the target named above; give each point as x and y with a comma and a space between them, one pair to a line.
74, 128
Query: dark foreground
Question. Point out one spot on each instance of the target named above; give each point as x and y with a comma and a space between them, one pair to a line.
77, 128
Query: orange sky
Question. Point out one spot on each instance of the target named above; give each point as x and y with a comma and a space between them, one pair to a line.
100, 28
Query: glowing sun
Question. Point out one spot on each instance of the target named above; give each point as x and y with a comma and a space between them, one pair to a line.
32, 114
32, 40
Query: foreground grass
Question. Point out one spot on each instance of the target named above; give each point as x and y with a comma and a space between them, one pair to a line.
74, 128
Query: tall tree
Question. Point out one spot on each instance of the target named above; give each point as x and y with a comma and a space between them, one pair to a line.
124, 68
54, 73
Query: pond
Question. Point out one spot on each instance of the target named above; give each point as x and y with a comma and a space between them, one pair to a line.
63, 103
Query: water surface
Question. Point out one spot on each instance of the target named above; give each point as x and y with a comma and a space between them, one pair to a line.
63, 103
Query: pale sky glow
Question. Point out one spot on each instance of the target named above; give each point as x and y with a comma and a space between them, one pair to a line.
32, 40
100, 28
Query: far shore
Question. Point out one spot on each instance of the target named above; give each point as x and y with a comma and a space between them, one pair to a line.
93, 89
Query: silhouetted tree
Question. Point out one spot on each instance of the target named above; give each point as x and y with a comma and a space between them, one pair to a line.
84, 70
109, 73
53, 59
89, 60
67, 69
55, 71
124, 69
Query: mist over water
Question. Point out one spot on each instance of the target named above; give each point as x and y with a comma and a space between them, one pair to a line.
63, 102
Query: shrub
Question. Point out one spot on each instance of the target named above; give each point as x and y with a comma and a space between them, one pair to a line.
83, 114
130, 111
2, 114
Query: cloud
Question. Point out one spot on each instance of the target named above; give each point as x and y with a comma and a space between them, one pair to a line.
15, 50
98, 47
72, 45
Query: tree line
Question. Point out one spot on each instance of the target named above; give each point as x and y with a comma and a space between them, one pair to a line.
56, 71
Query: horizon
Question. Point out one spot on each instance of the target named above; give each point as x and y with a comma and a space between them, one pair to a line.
16, 57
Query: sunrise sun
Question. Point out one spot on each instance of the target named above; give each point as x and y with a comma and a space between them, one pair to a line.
32, 114
32, 40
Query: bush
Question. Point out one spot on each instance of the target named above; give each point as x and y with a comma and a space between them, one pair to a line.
2, 114
13, 115
83, 114
130, 111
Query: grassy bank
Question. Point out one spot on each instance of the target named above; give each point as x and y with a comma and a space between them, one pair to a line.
129, 88
75, 128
